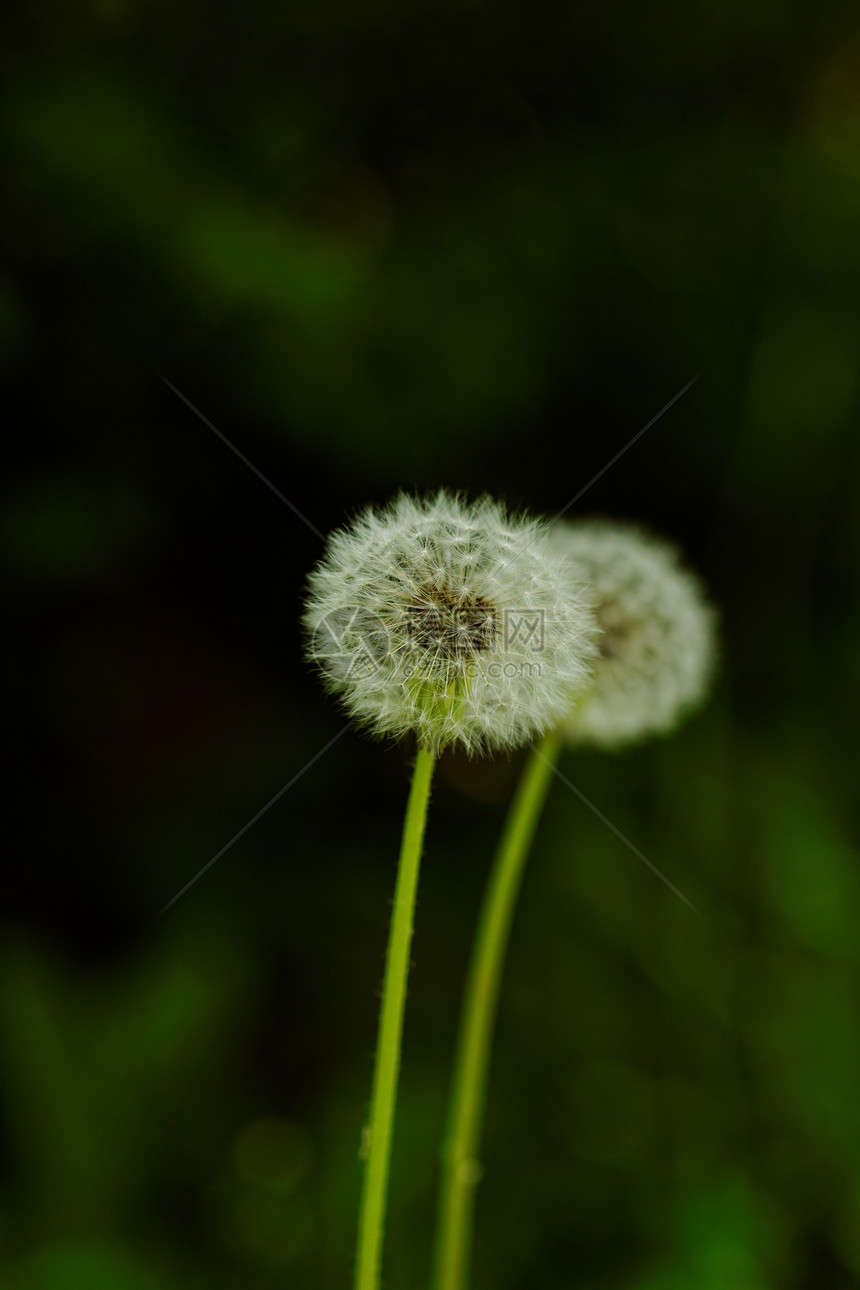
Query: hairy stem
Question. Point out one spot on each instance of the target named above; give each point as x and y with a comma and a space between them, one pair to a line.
461, 1169
378, 1134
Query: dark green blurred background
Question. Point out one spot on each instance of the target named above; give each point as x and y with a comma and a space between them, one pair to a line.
387, 245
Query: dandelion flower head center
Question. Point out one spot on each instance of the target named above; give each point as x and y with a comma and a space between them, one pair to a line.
450, 623
620, 635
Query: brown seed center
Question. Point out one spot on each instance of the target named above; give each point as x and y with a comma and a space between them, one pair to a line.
449, 625
616, 633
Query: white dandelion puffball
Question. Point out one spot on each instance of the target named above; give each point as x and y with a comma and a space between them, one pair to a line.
449, 620
657, 642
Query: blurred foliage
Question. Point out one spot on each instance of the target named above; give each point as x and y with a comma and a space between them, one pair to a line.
408, 245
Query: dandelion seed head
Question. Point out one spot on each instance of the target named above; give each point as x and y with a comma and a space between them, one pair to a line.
449, 620
657, 642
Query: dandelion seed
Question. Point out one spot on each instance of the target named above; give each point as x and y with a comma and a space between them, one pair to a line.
656, 648
451, 621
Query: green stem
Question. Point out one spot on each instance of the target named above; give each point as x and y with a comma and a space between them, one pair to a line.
461, 1169
378, 1133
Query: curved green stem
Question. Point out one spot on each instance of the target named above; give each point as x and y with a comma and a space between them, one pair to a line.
378, 1133
461, 1169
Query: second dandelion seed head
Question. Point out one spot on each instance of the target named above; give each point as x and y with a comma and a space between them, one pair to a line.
657, 642
450, 620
